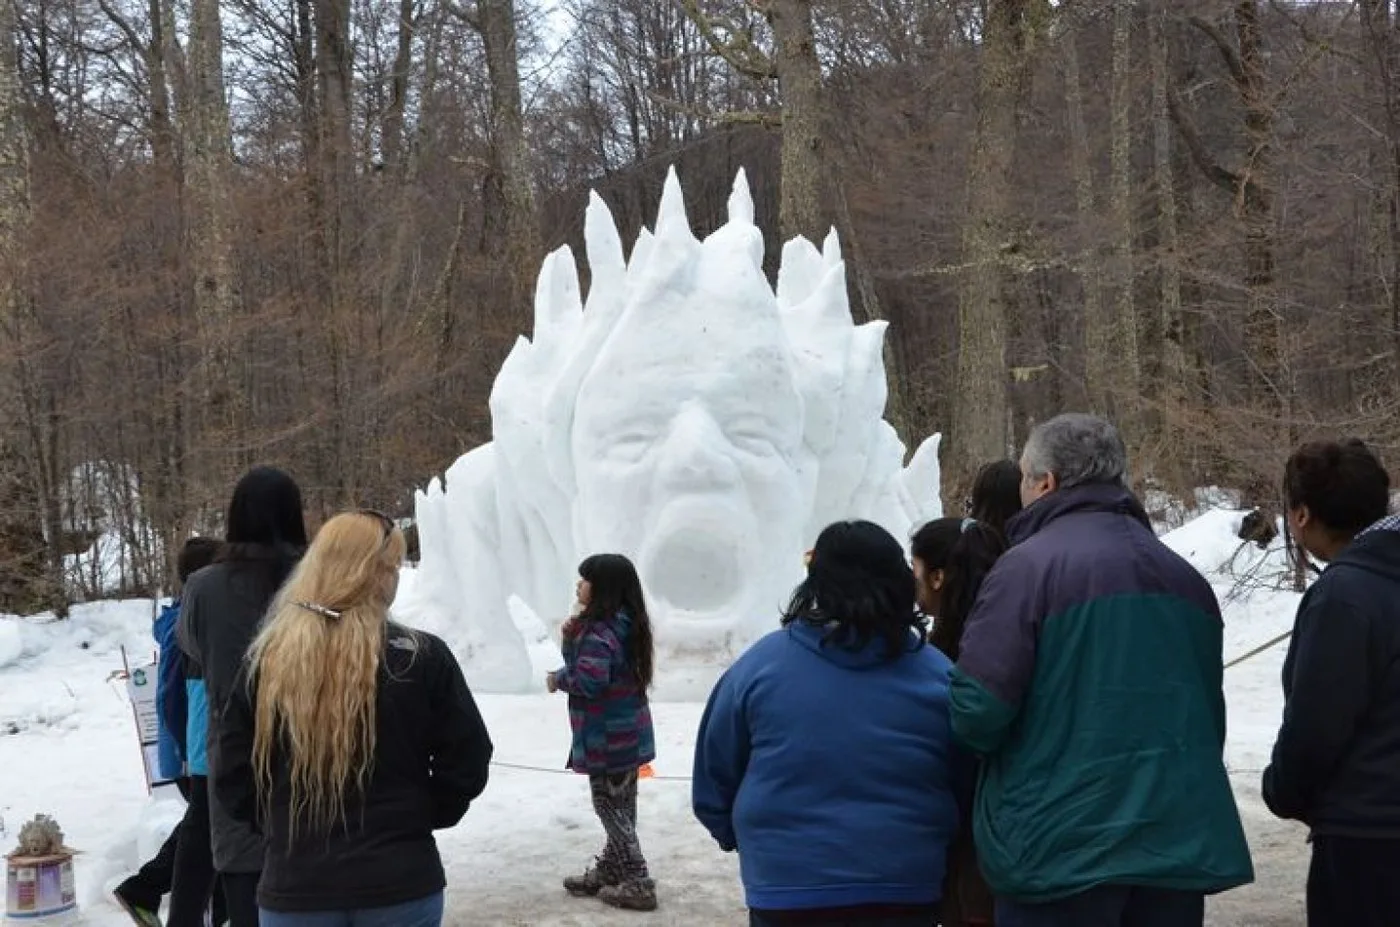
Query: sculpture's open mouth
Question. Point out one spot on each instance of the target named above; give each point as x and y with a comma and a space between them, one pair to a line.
694, 574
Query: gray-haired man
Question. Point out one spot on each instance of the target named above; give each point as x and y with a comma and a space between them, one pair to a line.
1090, 682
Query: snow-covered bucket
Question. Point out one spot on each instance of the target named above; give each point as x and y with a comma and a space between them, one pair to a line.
39, 887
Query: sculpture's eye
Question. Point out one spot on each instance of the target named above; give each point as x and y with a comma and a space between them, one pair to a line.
752, 438
630, 446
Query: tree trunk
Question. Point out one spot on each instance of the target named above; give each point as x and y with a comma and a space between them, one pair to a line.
1384, 45
1262, 325
334, 177
1270, 389
391, 129
980, 419
801, 209
514, 181
1171, 383
1267, 379
1124, 366
1098, 356
208, 165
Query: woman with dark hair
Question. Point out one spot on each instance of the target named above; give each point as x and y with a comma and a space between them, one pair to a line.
952, 556
1336, 763
825, 754
996, 494
222, 607
606, 674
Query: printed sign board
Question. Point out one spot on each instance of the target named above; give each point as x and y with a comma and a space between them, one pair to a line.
141, 689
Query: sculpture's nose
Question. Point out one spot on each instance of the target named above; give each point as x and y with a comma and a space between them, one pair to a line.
696, 456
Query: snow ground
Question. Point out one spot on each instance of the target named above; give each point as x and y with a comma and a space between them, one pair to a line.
68, 748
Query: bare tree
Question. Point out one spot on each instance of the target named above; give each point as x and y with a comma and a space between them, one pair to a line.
793, 63
28, 400
981, 425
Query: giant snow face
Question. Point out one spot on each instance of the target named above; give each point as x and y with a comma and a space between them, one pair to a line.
692, 419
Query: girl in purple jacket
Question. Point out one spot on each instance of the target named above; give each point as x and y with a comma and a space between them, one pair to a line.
606, 674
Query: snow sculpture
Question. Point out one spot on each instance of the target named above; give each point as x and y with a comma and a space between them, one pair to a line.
687, 416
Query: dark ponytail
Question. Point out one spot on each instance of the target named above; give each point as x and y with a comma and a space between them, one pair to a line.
965, 550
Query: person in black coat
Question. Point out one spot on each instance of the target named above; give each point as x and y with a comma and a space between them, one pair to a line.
220, 611
1336, 763
347, 741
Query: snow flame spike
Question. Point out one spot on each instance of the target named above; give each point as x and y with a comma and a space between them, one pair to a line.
672, 224
606, 266
557, 305
831, 249
741, 200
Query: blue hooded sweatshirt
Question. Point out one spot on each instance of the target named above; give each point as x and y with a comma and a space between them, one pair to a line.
832, 772
171, 700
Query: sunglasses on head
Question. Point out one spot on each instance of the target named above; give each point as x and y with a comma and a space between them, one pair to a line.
383, 519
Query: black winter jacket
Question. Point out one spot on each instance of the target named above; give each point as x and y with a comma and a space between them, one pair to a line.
431, 758
1336, 764
220, 612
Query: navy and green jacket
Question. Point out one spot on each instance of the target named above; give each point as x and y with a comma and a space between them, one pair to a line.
1090, 681
1336, 764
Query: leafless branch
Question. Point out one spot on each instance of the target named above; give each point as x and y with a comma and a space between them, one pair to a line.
735, 46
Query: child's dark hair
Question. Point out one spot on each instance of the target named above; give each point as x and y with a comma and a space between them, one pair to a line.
859, 583
996, 494
1343, 484
965, 550
616, 587
197, 554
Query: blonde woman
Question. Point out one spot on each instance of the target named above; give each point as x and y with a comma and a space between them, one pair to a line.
348, 741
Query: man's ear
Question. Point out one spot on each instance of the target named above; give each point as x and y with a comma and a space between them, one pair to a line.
1302, 517
936, 580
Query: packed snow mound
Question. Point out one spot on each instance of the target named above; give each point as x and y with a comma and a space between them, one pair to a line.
11, 644
1212, 545
1255, 591
687, 415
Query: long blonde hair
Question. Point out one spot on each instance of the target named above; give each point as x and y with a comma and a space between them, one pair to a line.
315, 665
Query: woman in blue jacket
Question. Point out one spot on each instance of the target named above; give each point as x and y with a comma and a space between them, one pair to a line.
825, 755
1336, 764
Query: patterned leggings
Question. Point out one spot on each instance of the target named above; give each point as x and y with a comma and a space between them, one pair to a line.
615, 801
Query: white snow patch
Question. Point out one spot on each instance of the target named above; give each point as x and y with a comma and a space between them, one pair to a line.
11, 642
1255, 594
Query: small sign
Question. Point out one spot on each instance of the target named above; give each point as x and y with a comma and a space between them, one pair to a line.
141, 689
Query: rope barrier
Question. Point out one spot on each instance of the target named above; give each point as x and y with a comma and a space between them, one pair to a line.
525, 767
1260, 649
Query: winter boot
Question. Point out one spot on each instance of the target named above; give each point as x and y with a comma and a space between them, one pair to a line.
631, 895
140, 910
597, 877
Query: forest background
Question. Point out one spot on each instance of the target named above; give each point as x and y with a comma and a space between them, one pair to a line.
306, 231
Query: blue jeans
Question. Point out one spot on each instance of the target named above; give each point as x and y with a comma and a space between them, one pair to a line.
425, 912
1109, 906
